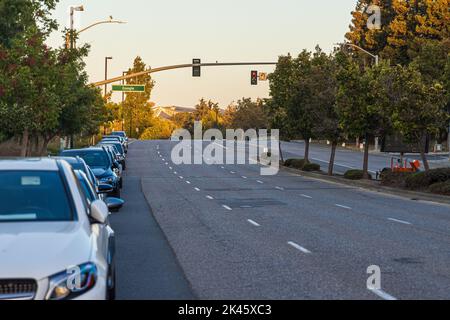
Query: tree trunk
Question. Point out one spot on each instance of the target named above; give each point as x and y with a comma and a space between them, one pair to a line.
25, 140
424, 160
43, 148
281, 152
366, 159
332, 157
307, 150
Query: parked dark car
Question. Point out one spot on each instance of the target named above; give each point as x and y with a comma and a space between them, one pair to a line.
100, 162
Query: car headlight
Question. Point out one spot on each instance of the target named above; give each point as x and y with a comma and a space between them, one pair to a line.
73, 282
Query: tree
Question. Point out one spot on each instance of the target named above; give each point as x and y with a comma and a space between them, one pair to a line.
359, 111
416, 107
405, 26
137, 108
161, 129
323, 84
43, 91
208, 112
289, 90
247, 114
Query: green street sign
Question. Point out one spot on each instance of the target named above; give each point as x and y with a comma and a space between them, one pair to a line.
129, 88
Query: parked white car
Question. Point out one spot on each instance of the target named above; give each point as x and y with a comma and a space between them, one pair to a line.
54, 245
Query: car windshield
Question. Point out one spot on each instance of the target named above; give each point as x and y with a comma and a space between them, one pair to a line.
117, 145
33, 196
93, 158
120, 134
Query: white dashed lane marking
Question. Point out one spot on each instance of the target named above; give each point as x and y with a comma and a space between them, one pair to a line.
400, 221
343, 207
254, 223
227, 207
383, 295
306, 196
210, 198
299, 247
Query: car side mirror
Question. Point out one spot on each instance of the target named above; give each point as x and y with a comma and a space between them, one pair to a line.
105, 188
99, 211
114, 204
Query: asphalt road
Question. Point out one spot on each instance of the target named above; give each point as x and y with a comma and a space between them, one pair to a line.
345, 159
233, 234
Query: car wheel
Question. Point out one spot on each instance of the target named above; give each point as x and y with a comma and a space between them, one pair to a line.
117, 192
111, 289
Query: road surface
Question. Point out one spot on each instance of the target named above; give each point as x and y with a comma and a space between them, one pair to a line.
225, 232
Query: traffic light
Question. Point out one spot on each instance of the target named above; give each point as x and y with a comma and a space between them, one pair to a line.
196, 70
254, 78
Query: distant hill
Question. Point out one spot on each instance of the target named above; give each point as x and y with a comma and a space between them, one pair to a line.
168, 112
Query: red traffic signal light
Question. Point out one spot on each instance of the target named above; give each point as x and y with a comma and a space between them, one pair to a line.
254, 78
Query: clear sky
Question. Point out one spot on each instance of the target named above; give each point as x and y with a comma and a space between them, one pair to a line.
176, 31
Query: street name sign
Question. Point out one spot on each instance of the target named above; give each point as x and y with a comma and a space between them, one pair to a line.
129, 88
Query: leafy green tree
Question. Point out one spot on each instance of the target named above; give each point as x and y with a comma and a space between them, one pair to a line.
43, 91
416, 106
248, 114
405, 26
161, 129
360, 112
323, 84
137, 108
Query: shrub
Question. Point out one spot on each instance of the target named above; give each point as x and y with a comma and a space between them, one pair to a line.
310, 167
394, 179
295, 163
423, 180
355, 175
441, 188
419, 180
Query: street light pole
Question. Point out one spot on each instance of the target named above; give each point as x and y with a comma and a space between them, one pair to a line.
72, 45
106, 73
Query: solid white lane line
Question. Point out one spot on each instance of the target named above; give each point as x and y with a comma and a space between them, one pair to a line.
400, 221
197, 189
210, 198
260, 182
298, 247
254, 223
227, 207
343, 207
306, 196
383, 295
279, 188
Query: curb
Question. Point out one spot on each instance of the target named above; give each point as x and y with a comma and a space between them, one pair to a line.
372, 186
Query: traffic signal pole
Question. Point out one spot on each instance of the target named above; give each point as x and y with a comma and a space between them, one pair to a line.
180, 66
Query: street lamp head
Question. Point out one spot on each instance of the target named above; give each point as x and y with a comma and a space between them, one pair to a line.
77, 8
108, 58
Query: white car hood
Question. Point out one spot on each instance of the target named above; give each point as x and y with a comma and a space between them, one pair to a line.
40, 250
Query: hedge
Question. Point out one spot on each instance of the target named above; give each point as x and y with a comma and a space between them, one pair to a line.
310, 167
423, 180
440, 188
355, 175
